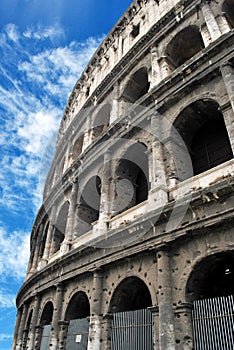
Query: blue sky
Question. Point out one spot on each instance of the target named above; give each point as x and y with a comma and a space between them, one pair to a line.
44, 46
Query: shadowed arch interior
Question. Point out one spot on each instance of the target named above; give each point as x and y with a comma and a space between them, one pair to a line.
202, 128
227, 8
101, 121
60, 227
78, 307
47, 314
132, 174
183, 46
212, 277
131, 294
137, 86
89, 205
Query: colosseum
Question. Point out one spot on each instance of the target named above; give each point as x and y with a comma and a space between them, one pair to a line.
132, 248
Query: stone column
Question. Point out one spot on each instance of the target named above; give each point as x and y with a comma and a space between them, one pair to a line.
155, 315
17, 325
227, 72
158, 191
32, 334
210, 20
155, 68
87, 133
19, 341
37, 249
70, 218
114, 114
166, 315
105, 193
49, 238
164, 67
63, 329
184, 323
38, 335
223, 24
106, 328
94, 342
56, 317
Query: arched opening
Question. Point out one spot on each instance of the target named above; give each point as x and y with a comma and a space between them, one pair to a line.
78, 307
131, 294
137, 86
132, 174
60, 228
129, 306
77, 148
76, 314
27, 330
227, 8
202, 128
89, 205
210, 288
43, 240
101, 121
47, 314
45, 323
212, 277
187, 43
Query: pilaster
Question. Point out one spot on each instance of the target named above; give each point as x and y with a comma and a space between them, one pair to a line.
54, 338
210, 20
19, 341
32, 334
227, 72
166, 314
94, 342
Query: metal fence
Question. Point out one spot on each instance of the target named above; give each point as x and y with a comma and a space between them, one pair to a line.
132, 330
77, 336
45, 340
213, 324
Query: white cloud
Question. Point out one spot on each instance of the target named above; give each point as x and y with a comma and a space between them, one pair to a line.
7, 300
14, 255
35, 83
12, 32
44, 32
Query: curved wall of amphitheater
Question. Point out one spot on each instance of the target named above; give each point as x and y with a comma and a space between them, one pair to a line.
134, 240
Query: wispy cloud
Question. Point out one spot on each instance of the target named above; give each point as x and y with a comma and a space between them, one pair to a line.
35, 85
44, 32
14, 250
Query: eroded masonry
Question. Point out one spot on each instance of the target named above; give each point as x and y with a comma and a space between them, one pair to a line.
133, 246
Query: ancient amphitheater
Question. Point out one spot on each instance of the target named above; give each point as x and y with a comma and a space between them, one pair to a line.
133, 246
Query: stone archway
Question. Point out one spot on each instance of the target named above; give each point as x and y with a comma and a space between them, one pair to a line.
202, 128
210, 288
185, 44
132, 321
77, 314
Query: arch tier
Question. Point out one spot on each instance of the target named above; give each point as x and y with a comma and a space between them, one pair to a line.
138, 202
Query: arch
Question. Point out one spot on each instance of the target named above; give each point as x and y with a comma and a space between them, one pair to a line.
183, 46
211, 277
227, 8
89, 205
131, 294
77, 147
132, 175
202, 128
78, 307
101, 121
43, 240
60, 227
137, 86
47, 314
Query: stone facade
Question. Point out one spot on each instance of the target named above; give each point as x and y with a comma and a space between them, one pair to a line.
138, 204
